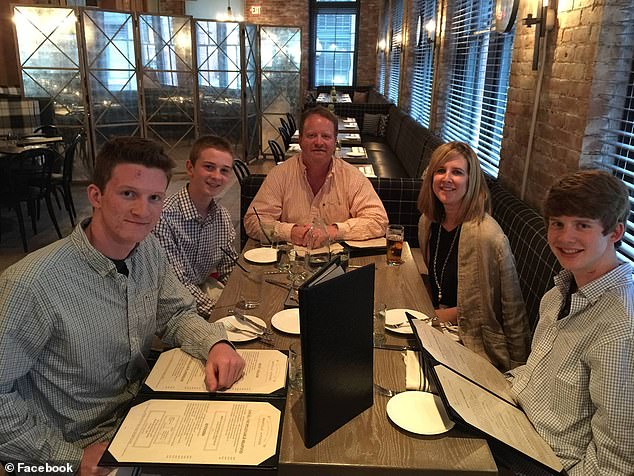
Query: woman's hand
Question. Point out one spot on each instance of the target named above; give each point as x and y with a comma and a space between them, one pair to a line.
448, 315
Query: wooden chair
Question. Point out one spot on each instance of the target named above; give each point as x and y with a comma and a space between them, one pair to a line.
27, 179
241, 169
276, 149
286, 137
63, 181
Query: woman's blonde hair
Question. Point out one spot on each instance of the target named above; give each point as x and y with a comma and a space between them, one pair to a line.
475, 203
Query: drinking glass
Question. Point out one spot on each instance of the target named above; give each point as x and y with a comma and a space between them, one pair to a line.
283, 258
251, 290
295, 375
394, 237
379, 324
269, 238
318, 248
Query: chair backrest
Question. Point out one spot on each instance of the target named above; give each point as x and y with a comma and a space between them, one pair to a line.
35, 167
69, 157
291, 122
276, 149
286, 126
241, 169
286, 137
48, 130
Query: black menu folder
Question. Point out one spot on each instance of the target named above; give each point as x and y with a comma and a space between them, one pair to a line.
477, 395
175, 424
336, 324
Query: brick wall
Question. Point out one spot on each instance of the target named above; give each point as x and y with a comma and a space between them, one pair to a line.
585, 58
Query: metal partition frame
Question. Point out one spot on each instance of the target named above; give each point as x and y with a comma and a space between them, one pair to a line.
279, 78
110, 69
139, 74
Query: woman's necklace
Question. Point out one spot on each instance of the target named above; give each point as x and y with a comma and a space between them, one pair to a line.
442, 273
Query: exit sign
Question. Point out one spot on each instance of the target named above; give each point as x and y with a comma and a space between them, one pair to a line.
255, 9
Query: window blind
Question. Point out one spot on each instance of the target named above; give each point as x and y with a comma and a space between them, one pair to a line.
479, 74
618, 152
396, 42
423, 73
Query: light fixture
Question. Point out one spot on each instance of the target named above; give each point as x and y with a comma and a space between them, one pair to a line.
229, 11
545, 21
430, 28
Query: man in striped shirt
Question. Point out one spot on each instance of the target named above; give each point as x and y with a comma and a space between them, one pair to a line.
77, 318
577, 384
317, 185
194, 229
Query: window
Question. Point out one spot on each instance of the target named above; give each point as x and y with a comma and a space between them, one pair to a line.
478, 84
396, 43
333, 42
619, 142
423, 74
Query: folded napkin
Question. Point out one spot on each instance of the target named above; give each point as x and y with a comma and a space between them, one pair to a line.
373, 243
349, 119
414, 378
294, 148
334, 249
353, 136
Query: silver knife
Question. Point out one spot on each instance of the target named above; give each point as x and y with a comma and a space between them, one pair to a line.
242, 318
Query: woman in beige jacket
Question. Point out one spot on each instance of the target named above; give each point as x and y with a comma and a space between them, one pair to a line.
472, 275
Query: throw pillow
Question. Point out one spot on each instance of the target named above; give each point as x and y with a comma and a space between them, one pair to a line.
382, 125
370, 123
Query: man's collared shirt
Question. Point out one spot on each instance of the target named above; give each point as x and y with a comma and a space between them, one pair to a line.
346, 199
74, 336
193, 244
577, 385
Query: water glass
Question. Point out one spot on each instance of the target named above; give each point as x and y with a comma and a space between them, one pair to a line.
295, 375
344, 256
394, 237
283, 257
251, 290
379, 324
269, 237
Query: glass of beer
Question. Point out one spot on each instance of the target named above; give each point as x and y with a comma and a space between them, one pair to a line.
394, 237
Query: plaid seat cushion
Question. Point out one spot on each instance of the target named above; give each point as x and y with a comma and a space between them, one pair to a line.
399, 196
525, 228
18, 116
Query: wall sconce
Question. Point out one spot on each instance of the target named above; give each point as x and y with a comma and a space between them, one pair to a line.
381, 46
544, 22
429, 31
430, 28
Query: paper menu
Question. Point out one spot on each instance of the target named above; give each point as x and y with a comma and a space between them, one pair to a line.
197, 432
495, 417
463, 361
177, 371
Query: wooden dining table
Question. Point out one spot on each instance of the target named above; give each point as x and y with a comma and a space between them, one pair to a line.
369, 444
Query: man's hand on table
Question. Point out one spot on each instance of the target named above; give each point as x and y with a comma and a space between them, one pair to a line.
224, 367
92, 455
299, 233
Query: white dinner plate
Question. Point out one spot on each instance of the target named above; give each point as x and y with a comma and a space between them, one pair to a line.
261, 255
287, 321
355, 154
238, 336
350, 126
419, 412
396, 316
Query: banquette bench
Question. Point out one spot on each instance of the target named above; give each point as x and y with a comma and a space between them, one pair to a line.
404, 148
524, 227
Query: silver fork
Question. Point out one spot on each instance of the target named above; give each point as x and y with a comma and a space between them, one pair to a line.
247, 332
386, 392
397, 326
